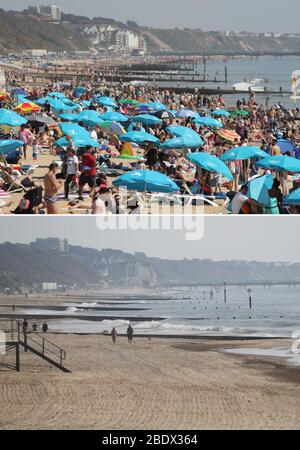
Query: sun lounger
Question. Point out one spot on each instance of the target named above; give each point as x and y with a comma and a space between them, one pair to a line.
28, 169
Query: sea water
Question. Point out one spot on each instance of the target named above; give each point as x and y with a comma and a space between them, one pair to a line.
185, 311
270, 72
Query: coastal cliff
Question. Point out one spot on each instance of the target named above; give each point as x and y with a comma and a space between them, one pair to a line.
22, 31
46, 261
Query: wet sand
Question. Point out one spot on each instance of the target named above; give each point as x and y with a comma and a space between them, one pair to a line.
153, 384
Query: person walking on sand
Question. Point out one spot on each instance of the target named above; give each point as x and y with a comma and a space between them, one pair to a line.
130, 334
52, 186
24, 326
45, 327
114, 335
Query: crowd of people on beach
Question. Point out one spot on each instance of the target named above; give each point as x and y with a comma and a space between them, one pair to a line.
90, 168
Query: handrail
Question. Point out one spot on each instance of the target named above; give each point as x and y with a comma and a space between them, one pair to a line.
44, 343
62, 354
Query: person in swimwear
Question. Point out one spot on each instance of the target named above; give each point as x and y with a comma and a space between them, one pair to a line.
52, 186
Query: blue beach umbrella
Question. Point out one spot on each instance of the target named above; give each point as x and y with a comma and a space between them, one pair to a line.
21, 99
112, 116
146, 119
185, 113
280, 163
79, 90
146, 181
293, 198
42, 100
89, 118
285, 146
157, 106
179, 131
68, 102
139, 137
86, 103
143, 109
210, 163
132, 125
58, 95
220, 112
182, 142
240, 153
10, 118
9, 145
107, 101
58, 105
73, 129
68, 117
258, 189
208, 122
19, 91
79, 141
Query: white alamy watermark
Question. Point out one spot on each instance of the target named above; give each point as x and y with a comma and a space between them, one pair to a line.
2, 343
296, 343
142, 211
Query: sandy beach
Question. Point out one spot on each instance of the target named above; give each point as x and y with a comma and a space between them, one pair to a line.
152, 384
46, 159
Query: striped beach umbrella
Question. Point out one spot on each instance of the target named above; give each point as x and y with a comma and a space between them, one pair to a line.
27, 108
113, 127
229, 135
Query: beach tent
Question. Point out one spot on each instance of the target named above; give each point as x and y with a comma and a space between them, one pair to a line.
128, 152
127, 149
146, 181
210, 163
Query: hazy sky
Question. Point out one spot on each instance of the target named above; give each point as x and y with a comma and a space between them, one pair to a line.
254, 15
249, 238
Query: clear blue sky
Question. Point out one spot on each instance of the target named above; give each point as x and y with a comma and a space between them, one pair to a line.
257, 238
252, 15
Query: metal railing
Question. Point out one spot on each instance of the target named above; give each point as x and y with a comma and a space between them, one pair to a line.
41, 344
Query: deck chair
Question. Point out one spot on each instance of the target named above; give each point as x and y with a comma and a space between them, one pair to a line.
194, 195
28, 169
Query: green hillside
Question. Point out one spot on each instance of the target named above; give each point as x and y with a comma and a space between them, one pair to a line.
20, 33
